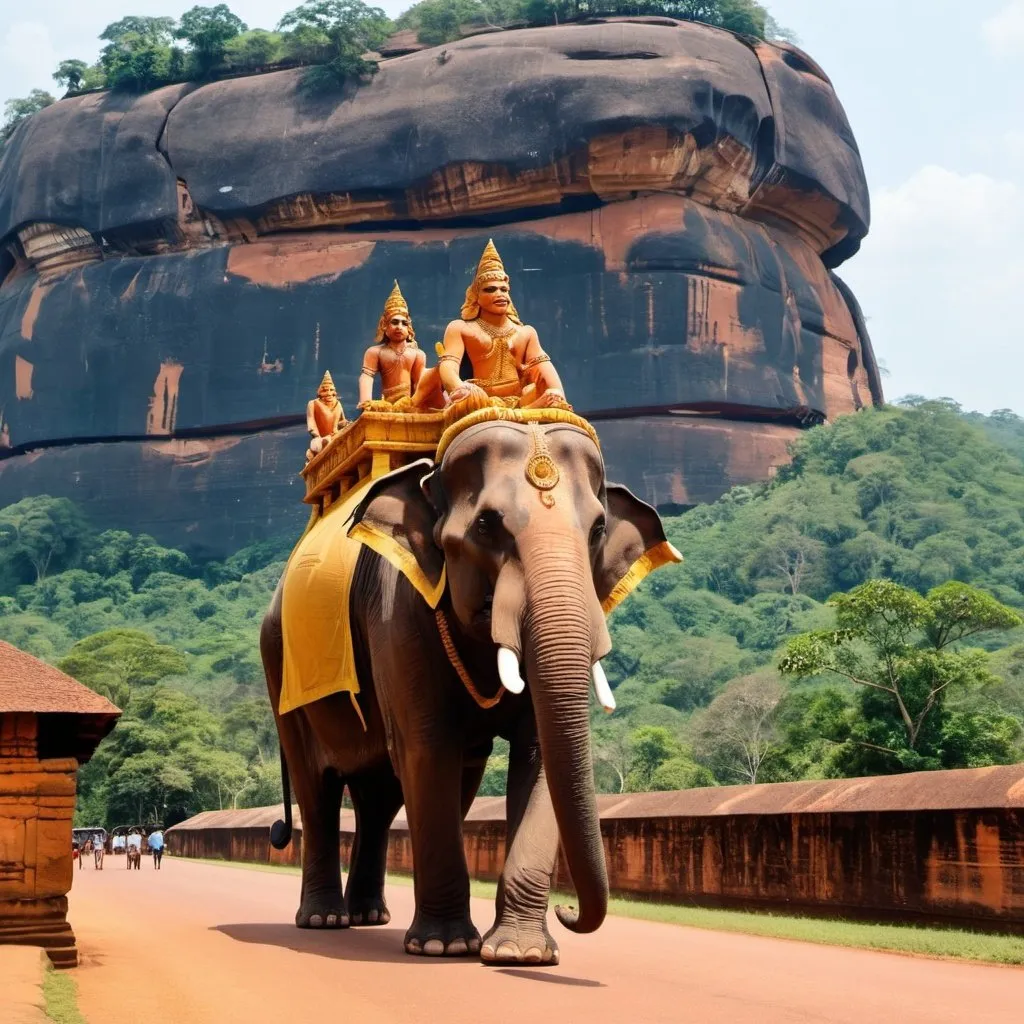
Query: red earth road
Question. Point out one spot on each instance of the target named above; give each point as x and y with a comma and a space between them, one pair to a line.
202, 943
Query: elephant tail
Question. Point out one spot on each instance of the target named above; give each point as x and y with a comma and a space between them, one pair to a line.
281, 831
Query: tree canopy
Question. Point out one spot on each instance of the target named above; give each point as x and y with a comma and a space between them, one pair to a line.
335, 39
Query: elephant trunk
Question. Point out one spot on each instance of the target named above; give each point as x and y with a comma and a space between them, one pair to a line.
558, 651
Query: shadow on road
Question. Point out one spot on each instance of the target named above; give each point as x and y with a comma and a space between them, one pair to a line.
533, 974
367, 945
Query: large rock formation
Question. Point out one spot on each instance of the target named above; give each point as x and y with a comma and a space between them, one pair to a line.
179, 268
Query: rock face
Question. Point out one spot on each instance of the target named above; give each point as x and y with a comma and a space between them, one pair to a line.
669, 199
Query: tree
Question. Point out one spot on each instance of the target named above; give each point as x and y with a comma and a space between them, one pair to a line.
18, 110
339, 33
905, 651
135, 31
117, 660
40, 535
253, 50
208, 30
70, 74
737, 733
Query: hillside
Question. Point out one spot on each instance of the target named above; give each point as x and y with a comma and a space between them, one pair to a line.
918, 495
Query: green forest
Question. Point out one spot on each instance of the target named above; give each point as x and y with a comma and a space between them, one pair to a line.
336, 40
858, 614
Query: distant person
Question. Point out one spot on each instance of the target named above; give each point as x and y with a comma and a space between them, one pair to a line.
86, 850
76, 854
156, 846
118, 843
97, 854
134, 849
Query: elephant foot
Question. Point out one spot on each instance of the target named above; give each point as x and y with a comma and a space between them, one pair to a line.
367, 911
430, 936
323, 910
519, 944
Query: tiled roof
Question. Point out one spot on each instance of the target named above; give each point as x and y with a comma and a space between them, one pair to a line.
1001, 786
28, 684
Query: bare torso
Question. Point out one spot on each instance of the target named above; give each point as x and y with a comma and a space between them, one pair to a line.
399, 366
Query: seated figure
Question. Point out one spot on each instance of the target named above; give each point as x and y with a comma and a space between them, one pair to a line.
394, 355
324, 416
506, 355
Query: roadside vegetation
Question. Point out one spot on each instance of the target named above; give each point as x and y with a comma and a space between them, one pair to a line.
61, 997
336, 40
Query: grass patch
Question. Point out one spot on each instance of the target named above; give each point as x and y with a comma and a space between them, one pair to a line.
944, 943
61, 995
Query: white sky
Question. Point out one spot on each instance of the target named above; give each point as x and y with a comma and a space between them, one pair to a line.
935, 92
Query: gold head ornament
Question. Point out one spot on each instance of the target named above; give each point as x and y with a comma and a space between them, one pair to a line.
327, 382
490, 268
395, 304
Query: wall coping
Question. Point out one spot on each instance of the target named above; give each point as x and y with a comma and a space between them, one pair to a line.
997, 787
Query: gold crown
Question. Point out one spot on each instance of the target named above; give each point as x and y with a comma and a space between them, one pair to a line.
395, 304
327, 382
490, 268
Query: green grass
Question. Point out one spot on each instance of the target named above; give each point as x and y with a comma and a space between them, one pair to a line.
945, 943
61, 995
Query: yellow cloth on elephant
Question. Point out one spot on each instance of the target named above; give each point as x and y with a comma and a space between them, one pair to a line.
318, 655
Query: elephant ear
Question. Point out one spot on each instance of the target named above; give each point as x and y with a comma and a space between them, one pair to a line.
396, 520
634, 546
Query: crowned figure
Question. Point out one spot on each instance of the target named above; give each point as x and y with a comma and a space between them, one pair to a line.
324, 416
506, 355
394, 355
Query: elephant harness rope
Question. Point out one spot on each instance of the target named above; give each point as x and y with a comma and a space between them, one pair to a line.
460, 668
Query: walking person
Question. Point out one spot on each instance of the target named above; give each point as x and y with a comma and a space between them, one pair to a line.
97, 854
134, 850
156, 846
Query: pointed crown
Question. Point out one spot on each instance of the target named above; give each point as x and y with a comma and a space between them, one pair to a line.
395, 304
327, 382
490, 268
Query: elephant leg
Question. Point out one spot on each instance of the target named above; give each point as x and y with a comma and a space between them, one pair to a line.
432, 783
376, 799
322, 904
520, 933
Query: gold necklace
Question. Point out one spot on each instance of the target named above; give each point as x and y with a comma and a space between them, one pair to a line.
496, 333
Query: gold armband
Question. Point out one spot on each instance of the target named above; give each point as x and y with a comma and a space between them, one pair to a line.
537, 360
367, 372
450, 358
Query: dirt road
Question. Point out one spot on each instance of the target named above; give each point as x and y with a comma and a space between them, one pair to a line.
208, 943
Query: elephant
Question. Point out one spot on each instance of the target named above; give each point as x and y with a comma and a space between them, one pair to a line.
524, 547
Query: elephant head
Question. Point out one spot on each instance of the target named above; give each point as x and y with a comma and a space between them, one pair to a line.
534, 548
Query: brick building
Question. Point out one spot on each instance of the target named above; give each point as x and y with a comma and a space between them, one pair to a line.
49, 725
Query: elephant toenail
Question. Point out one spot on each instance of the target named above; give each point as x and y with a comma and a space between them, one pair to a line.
316, 921
508, 950
433, 947
332, 920
372, 917
533, 955
413, 946
457, 947
487, 953
474, 945
357, 918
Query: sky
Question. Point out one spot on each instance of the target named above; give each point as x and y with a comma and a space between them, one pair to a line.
934, 90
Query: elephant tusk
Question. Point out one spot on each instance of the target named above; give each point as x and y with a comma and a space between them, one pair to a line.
508, 671
605, 697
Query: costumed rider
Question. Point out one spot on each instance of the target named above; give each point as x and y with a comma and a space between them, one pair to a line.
324, 416
506, 355
395, 356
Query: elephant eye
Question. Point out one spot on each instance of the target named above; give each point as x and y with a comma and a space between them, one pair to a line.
598, 531
488, 523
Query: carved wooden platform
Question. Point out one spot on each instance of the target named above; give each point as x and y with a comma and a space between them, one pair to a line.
372, 445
